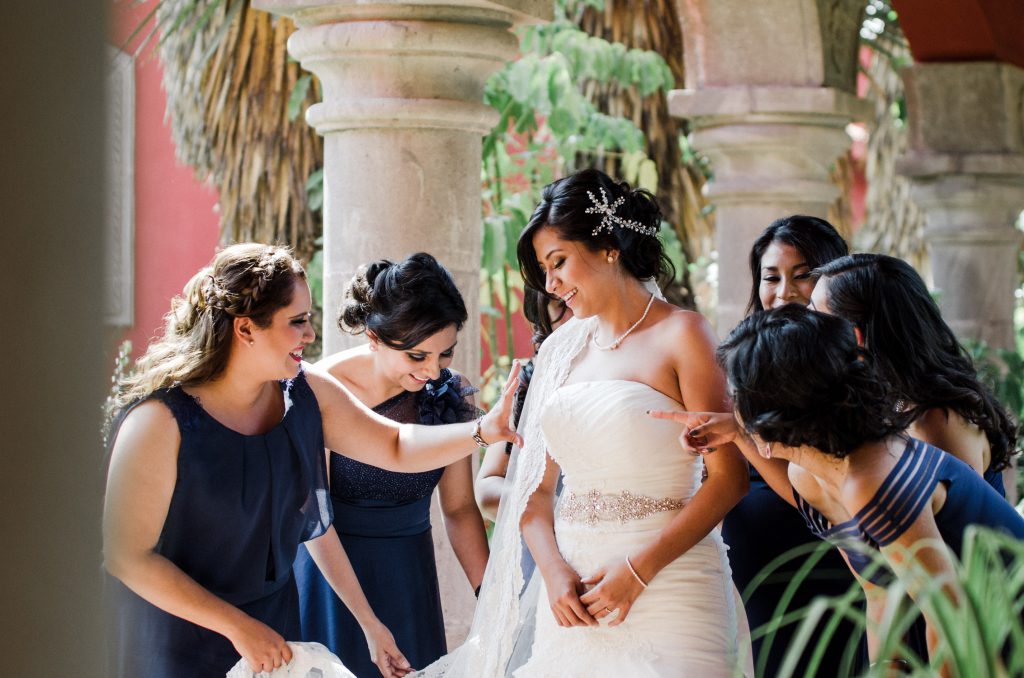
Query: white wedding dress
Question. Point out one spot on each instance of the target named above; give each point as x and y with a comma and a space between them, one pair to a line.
625, 477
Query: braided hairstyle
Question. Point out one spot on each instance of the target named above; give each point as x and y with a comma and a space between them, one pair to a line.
799, 378
912, 346
246, 280
563, 207
402, 303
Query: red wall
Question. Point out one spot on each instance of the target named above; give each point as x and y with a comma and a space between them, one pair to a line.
176, 224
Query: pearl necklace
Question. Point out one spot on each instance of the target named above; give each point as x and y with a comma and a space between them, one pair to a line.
618, 340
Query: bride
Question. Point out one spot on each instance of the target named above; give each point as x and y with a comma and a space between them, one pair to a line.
632, 574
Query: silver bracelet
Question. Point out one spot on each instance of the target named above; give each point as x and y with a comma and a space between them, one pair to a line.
477, 438
633, 572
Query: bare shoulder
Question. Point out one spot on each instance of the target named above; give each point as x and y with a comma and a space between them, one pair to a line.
150, 428
325, 385
344, 365
685, 333
681, 323
860, 486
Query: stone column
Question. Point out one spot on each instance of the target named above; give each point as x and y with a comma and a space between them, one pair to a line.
965, 160
402, 118
771, 119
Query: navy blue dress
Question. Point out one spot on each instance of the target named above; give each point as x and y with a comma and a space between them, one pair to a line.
241, 506
383, 520
906, 491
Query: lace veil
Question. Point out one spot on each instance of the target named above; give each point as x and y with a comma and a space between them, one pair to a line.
501, 635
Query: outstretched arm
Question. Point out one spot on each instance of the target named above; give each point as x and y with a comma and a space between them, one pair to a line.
705, 432
373, 439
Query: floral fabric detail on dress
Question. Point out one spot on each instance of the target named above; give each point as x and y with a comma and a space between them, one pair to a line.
442, 401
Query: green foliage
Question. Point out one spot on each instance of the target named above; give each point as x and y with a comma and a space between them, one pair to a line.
982, 636
547, 124
297, 96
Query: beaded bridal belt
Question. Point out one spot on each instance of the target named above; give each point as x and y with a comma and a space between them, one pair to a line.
595, 506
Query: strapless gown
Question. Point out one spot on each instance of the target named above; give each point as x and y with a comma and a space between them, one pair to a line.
625, 477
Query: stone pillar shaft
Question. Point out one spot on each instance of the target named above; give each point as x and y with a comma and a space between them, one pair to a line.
966, 165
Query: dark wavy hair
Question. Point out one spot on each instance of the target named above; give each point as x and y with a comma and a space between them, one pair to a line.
563, 207
402, 303
799, 378
816, 239
535, 308
913, 347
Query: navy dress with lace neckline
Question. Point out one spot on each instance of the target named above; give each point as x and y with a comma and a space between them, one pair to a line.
383, 520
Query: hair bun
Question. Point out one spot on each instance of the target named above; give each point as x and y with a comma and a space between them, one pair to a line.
359, 295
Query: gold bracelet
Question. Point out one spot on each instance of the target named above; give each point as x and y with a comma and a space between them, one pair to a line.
633, 571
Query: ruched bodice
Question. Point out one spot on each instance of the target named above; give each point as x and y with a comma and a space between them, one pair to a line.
602, 438
626, 478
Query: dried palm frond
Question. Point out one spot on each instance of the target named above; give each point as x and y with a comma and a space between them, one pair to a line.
228, 81
654, 25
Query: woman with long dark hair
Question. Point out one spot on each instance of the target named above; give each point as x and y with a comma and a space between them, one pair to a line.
217, 474
916, 352
411, 313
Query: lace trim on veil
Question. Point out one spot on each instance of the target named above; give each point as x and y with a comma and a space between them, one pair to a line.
502, 611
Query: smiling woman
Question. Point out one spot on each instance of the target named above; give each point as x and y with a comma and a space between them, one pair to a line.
411, 312
218, 436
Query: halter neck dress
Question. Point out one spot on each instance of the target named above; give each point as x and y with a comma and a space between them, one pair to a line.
901, 497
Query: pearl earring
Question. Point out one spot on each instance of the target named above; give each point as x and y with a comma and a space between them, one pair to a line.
611, 259
251, 342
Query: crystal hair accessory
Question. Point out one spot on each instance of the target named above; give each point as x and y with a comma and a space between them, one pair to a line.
610, 219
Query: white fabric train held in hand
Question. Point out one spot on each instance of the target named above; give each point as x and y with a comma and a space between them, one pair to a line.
309, 660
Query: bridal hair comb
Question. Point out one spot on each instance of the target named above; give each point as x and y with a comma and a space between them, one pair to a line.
610, 219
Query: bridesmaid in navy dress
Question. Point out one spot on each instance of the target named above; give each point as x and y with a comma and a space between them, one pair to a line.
815, 418
411, 312
918, 354
762, 526
217, 474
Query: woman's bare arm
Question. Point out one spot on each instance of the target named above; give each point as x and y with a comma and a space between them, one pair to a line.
373, 439
490, 480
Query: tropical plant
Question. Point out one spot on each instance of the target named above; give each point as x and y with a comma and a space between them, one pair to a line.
549, 126
233, 100
983, 635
